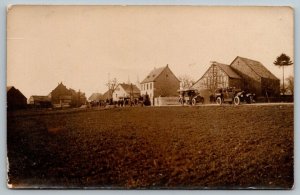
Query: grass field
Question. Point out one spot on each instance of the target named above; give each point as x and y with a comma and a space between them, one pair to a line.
154, 147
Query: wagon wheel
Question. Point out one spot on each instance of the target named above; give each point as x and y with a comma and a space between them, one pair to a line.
219, 101
194, 101
236, 100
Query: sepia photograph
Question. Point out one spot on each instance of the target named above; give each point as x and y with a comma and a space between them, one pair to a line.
150, 97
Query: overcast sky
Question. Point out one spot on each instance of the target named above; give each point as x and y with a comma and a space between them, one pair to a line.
82, 46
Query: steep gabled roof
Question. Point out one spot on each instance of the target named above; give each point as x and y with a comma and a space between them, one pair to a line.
228, 70
107, 94
61, 86
95, 97
8, 88
154, 74
130, 88
257, 67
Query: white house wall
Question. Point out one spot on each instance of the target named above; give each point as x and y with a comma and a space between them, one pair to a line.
148, 88
119, 93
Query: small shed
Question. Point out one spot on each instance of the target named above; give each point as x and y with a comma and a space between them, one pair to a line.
40, 101
15, 99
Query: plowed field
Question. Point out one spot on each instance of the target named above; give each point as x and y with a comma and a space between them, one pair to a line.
154, 147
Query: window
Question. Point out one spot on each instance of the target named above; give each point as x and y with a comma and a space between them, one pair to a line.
147, 86
167, 75
150, 85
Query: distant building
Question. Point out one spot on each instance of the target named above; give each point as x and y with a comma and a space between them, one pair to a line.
95, 97
242, 73
107, 95
40, 101
256, 77
15, 99
125, 91
160, 82
61, 96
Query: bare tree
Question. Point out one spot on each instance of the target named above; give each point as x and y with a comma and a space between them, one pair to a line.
290, 85
186, 81
112, 85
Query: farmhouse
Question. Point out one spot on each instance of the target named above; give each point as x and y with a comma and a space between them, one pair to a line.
63, 97
256, 77
15, 99
97, 99
242, 73
125, 91
160, 82
40, 101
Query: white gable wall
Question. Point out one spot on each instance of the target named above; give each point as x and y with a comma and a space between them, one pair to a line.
119, 93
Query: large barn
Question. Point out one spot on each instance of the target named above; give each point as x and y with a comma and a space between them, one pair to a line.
242, 73
160, 82
256, 77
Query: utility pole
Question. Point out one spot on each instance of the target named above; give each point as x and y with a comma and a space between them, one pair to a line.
214, 76
283, 90
131, 93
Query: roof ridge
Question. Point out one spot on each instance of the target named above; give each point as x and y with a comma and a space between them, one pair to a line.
155, 70
228, 73
247, 59
258, 62
249, 66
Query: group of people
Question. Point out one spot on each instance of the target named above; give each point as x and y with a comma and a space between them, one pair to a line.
142, 100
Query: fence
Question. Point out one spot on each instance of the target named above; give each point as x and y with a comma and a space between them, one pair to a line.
282, 98
166, 101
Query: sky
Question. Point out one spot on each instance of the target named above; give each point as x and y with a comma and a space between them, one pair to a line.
84, 46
